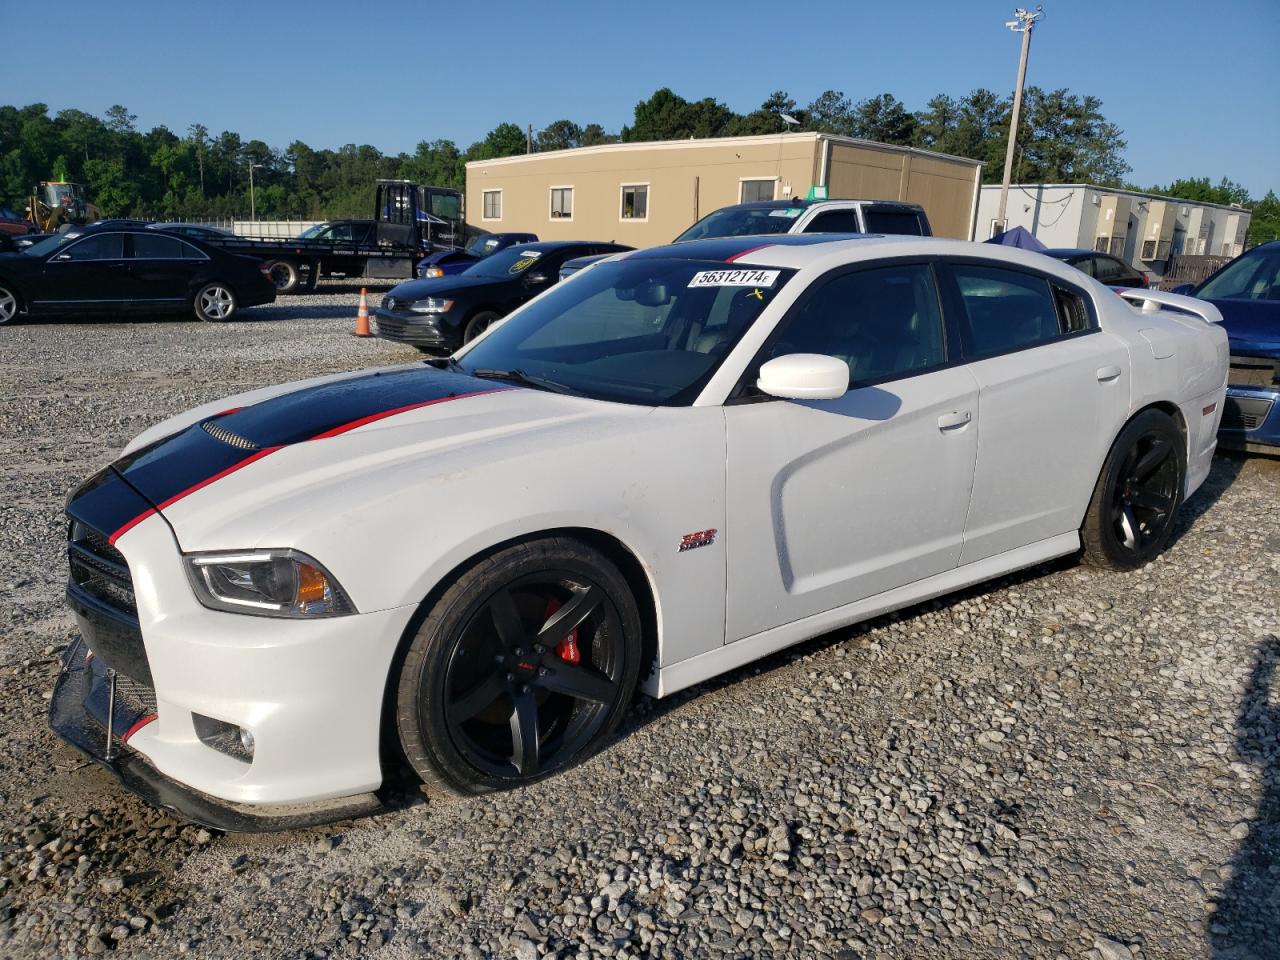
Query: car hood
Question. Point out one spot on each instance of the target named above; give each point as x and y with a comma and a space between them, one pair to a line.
1253, 327
230, 477
441, 286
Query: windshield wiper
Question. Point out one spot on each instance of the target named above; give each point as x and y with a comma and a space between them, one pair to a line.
528, 380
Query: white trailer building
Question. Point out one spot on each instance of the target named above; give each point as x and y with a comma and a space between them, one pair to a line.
1143, 229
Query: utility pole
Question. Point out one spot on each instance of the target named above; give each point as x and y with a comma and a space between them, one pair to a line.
1022, 22
528, 139
253, 213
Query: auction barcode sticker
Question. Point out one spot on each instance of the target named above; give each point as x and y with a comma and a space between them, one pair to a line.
734, 278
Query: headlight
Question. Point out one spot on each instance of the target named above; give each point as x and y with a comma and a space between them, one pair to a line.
431, 305
266, 583
433, 271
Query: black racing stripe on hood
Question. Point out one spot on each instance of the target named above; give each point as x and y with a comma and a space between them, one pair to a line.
311, 411
162, 473
106, 503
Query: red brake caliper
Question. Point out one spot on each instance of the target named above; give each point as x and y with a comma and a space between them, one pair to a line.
566, 649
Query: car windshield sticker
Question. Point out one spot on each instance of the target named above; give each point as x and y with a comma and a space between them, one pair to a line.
734, 278
490, 244
527, 259
790, 213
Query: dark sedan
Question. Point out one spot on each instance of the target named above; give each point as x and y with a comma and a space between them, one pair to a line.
1103, 267
118, 269
440, 314
443, 263
1247, 293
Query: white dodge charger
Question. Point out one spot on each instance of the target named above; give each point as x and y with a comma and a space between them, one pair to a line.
679, 461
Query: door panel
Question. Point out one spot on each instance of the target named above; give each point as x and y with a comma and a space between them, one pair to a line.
91, 272
159, 271
831, 501
1047, 416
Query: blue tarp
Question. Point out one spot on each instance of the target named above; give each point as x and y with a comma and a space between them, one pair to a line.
1018, 237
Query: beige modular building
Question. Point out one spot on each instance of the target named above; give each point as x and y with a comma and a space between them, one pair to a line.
645, 194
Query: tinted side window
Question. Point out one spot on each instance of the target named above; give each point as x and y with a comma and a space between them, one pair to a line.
192, 253
341, 231
1085, 265
892, 221
156, 247
884, 323
835, 221
1073, 315
102, 246
1006, 310
1109, 269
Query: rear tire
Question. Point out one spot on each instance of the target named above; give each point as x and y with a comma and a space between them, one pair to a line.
285, 275
214, 303
1137, 496
479, 324
525, 665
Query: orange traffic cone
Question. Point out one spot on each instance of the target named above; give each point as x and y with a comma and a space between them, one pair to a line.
362, 316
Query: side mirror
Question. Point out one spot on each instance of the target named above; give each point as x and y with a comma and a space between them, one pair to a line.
804, 376
1184, 289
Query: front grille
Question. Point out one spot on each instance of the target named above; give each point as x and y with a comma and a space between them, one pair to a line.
1245, 413
100, 569
1254, 372
227, 437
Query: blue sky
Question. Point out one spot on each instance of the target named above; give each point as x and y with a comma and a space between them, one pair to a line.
1192, 84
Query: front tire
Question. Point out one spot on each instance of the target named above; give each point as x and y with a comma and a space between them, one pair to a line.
8, 306
214, 303
1137, 496
524, 666
479, 324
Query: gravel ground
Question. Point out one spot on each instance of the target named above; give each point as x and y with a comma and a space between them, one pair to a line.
1065, 763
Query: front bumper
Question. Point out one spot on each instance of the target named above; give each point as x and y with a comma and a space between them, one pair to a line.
85, 703
420, 330
1251, 419
309, 692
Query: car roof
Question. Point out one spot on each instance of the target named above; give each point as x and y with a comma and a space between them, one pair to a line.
804, 204
546, 246
831, 250
1073, 252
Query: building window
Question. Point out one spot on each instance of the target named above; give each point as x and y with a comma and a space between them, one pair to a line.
562, 203
757, 189
492, 205
635, 201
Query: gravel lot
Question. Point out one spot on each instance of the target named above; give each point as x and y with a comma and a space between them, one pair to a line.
1065, 763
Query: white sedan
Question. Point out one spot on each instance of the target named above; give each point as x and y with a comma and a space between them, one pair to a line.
681, 460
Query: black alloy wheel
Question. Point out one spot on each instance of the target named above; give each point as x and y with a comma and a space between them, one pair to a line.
1134, 505
524, 666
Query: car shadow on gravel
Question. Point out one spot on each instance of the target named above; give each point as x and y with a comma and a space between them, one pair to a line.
1222, 474
1246, 923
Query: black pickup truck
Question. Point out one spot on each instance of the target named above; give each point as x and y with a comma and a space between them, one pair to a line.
409, 222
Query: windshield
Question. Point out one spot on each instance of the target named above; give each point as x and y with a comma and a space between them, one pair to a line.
312, 232
1255, 276
49, 244
643, 331
510, 262
742, 222
483, 246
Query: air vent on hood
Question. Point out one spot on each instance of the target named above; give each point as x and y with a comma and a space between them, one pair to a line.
227, 437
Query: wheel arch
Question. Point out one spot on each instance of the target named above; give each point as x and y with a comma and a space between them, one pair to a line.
16, 289
637, 576
1167, 407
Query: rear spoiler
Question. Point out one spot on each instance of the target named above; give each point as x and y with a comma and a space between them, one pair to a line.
1152, 301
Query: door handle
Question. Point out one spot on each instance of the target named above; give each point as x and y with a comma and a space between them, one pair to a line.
1108, 373
954, 420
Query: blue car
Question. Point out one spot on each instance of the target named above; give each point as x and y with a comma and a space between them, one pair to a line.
1247, 292
444, 263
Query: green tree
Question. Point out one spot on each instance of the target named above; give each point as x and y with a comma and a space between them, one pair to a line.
668, 116
504, 140
593, 134
559, 135
831, 112
884, 119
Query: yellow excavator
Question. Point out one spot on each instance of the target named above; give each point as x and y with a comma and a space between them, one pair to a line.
55, 203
